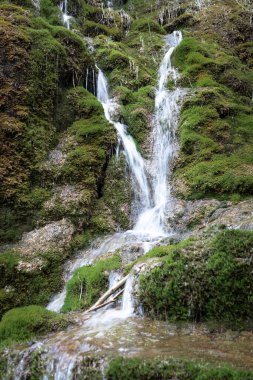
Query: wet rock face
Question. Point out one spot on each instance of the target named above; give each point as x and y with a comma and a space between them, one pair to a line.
238, 216
131, 253
201, 214
53, 236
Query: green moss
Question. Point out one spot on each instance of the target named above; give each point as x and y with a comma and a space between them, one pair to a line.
208, 281
147, 25
117, 192
231, 289
87, 284
215, 124
93, 29
32, 286
12, 225
49, 59
136, 368
50, 11
90, 369
34, 199
195, 58
89, 129
138, 112
114, 59
77, 103
22, 324
225, 174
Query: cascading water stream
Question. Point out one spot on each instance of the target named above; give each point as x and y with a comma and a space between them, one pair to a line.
164, 146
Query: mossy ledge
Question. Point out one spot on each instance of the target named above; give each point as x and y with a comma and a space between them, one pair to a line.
215, 132
202, 279
24, 323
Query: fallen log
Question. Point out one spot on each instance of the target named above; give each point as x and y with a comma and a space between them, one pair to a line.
107, 294
106, 303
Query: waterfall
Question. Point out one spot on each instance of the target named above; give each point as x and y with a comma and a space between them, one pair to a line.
154, 192
134, 159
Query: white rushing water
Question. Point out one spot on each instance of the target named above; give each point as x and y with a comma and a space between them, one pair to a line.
164, 146
65, 16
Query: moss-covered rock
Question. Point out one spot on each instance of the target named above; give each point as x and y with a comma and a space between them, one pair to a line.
202, 279
215, 126
147, 25
30, 280
40, 61
24, 323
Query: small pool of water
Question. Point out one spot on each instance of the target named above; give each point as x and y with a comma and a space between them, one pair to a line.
145, 338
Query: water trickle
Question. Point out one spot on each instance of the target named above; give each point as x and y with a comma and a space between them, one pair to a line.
108, 331
65, 16
114, 277
200, 4
127, 306
110, 4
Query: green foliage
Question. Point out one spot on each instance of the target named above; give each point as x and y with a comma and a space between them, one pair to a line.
22, 324
211, 282
87, 284
136, 368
